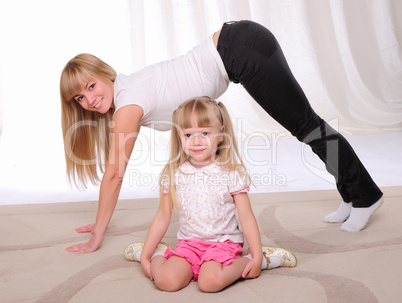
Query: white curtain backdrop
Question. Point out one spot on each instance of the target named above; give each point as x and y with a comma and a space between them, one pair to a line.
345, 54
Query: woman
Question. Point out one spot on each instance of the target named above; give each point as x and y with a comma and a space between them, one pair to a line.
242, 52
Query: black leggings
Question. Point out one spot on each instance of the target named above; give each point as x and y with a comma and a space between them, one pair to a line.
252, 56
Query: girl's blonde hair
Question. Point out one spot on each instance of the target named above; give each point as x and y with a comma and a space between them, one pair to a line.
208, 113
85, 133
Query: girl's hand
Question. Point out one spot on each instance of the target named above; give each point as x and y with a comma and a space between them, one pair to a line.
252, 269
89, 228
146, 267
90, 246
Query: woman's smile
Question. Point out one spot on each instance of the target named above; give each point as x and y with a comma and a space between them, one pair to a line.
99, 104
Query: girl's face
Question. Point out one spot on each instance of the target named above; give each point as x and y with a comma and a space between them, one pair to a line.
200, 143
97, 95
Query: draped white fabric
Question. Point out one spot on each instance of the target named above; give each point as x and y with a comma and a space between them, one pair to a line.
346, 56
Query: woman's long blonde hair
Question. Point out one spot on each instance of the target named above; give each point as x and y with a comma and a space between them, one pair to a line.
208, 113
85, 133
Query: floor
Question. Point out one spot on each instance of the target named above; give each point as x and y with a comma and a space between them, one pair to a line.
333, 266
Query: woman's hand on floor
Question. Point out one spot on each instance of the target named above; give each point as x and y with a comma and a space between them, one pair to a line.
90, 246
89, 228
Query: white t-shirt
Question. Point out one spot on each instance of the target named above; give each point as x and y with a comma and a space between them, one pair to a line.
160, 88
206, 208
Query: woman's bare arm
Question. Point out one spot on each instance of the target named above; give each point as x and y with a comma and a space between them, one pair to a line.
124, 134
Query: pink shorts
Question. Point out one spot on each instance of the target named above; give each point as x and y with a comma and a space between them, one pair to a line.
197, 252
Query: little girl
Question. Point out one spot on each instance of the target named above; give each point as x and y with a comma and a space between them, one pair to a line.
205, 183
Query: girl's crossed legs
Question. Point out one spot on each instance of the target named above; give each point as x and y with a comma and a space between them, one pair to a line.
214, 265
171, 274
176, 273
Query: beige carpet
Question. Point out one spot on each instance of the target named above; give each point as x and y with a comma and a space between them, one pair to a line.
334, 266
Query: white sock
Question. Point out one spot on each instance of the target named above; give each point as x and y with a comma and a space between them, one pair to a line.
275, 261
156, 253
264, 264
248, 256
359, 217
340, 215
138, 255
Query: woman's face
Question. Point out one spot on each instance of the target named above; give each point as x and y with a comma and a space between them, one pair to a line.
97, 95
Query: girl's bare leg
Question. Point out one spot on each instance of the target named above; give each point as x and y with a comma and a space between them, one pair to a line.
172, 274
214, 276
